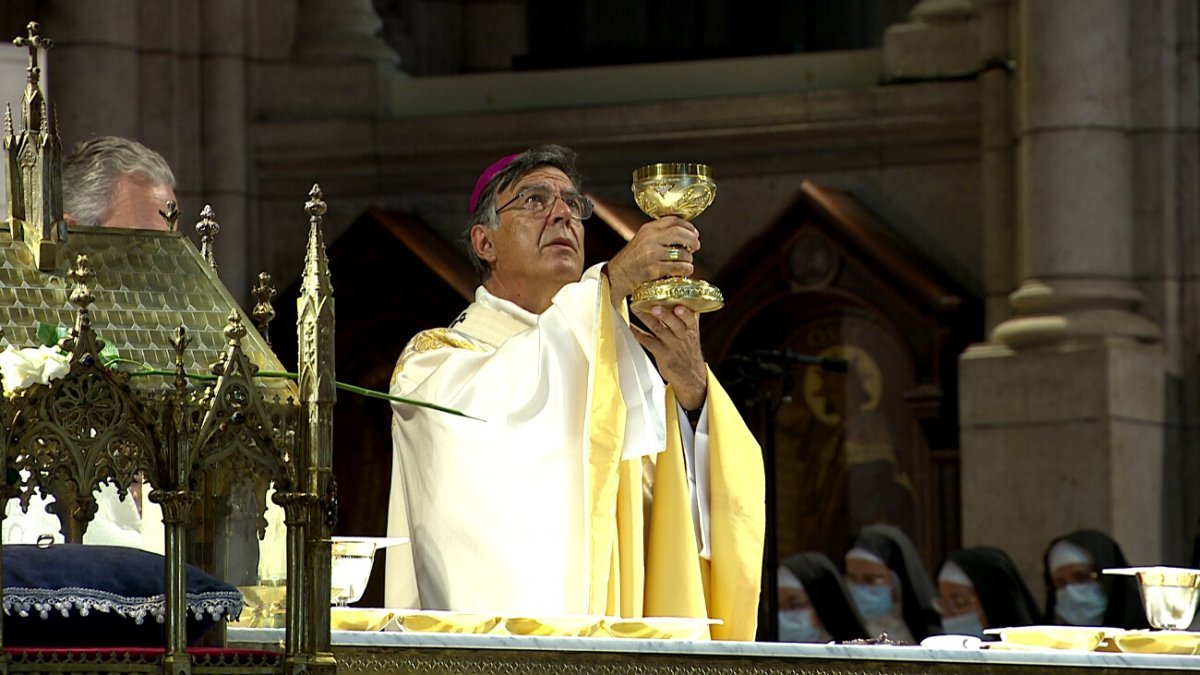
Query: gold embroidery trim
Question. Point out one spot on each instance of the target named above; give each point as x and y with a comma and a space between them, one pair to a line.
429, 340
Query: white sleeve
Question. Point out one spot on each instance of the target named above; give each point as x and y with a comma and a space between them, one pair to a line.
117, 521
22, 527
695, 456
643, 390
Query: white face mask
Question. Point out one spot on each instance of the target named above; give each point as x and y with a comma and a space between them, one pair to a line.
796, 625
873, 600
1081, 604
963, 624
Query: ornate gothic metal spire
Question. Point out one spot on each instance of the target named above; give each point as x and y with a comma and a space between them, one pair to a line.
171, 215
33, 101
81, 276
263, 312
316, 263
34, 163
208, 229
314, 311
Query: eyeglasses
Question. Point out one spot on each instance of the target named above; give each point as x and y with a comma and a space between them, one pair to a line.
958, 602
1075, 576
869, 579
537, 201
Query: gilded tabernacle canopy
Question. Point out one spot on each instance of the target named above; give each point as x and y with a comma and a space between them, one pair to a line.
186, 412
147, 283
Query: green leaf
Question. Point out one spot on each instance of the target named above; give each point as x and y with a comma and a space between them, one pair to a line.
109, 355
47, 334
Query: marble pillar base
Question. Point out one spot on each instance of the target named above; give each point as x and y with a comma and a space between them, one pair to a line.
1066, 311
1058, 439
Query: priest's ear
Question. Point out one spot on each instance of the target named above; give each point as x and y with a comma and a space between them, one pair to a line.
482, 244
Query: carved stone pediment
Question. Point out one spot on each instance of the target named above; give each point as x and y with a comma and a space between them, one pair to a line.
877, 443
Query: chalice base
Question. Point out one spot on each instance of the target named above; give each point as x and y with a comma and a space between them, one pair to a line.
695, 294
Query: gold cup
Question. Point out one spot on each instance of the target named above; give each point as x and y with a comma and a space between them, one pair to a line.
675, 189
1170, 596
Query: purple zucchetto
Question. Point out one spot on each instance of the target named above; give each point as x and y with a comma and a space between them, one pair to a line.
487, 175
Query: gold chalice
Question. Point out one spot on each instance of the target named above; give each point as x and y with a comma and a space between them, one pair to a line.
675, 189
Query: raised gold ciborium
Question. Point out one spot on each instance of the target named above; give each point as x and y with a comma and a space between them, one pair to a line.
683, 190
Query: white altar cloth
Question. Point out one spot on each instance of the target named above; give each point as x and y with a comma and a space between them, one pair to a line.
274, 636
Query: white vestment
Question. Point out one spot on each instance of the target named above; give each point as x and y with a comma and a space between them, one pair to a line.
117, 522
495, 506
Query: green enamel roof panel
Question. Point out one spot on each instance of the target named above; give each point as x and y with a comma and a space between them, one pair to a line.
147, 283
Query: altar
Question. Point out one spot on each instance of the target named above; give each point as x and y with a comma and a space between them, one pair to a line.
454, 654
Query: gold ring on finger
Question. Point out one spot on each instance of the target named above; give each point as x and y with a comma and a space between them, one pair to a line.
673, 254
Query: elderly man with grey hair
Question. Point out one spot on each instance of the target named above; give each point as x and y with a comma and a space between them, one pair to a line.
111, 181
107, 182
588, 479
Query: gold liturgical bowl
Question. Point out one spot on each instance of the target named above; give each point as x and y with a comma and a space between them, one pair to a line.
684, 190
265, 606
1169, 594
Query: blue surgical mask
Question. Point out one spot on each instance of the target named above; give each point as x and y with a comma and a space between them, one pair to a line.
795, 625
1081, 604
873, 600
963, 624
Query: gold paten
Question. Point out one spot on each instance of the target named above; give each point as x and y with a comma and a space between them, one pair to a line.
684, 190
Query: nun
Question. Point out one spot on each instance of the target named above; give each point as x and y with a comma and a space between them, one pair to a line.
981, 588
1079, 594
889, 584
814, 605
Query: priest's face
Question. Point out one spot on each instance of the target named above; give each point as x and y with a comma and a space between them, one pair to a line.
136, 202
534, 251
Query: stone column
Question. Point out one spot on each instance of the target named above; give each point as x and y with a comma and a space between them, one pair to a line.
938, 40
1076, 208
496, 32
340, 30
1063, 413
93, 62
225, 163
996, 159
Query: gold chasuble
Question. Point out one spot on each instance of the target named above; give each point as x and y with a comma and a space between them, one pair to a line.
572, 495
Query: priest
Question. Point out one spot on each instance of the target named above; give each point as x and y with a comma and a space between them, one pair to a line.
587, 478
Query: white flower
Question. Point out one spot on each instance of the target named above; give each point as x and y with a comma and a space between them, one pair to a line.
56, 365
18, 370
23, 367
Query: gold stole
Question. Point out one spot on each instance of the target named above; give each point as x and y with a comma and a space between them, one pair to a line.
633, 575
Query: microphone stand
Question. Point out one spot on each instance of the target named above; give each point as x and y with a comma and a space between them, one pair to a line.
754, 371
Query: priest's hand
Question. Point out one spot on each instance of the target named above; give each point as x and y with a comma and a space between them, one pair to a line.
661, 248
674, 340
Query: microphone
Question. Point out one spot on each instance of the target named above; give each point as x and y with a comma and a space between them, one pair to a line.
792, 358
746, 361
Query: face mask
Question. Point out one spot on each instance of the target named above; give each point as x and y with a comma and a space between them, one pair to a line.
1081, 604
963, 624
795, 625
873, 600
